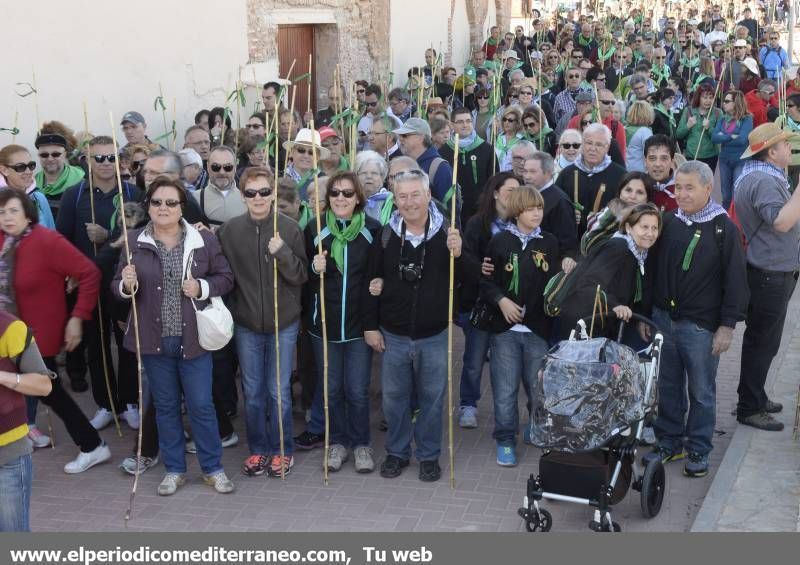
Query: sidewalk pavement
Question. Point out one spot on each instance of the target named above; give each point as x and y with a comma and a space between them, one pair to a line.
757, 486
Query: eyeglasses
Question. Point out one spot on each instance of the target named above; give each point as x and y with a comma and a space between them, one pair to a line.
216, 167
54, 155
571, 145
483, 97
659, 58
346, 193
573, 76
585, 123
104, 158
134, 166
254, 126
20, 167
608, 102
252, 193
157, 202
509, 120
360, 91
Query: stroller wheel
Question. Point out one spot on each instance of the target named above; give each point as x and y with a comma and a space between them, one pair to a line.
608, 525
653, 487
536, 521
545, 520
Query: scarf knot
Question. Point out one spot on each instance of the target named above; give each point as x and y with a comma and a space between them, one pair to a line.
343, 232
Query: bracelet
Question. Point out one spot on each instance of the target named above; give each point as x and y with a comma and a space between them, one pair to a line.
19, 377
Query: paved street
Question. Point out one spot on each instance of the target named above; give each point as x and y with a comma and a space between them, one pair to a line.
486, 496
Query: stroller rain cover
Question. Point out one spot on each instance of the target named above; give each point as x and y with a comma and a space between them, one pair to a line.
586, 392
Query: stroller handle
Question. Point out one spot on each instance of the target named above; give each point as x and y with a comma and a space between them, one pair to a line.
634, 318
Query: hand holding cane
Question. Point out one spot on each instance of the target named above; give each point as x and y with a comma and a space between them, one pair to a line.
275, 235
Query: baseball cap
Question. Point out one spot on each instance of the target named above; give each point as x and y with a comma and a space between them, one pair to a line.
510, 54
414, 125
326, 132
133, 117
584, 96
190, 157
740, 43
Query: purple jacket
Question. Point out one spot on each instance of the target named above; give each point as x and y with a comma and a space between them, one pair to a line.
209, 267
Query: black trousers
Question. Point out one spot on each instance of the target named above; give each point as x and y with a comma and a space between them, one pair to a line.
62, 404
770, 292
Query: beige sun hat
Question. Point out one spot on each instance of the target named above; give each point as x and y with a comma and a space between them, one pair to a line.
763, 137
307, 137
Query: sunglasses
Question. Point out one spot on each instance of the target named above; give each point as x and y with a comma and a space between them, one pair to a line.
252, 193
216, 167
774, 38
54, 155
788, 105
20, 167
370, 104
509, 120
157, 202
360, 91
571, 145
574, 76
608, 102
584, 124
530, 124
134, 166
483, 97
526, 92
104, 158
346, 193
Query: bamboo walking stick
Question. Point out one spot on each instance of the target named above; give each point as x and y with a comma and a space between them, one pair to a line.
174, 121
15, 127
322, 315
257, 105
36, 102
450, 322
164, 109
308, 97
275, 304
135, 315
708, 114
291, 124
576, 194
100, 317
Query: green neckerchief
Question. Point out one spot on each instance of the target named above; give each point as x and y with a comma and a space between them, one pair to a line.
344, 164
536, 136
513, 285
68, 177
660, 108
503, 146
584, 42
305, 178
462, 151
687, 257
700, 78
637, 297
492, 41
660, 74
563, 67
386, 209
342, 236
688, 63
630, 131
791, 124
605, 55
305, 215
637, 56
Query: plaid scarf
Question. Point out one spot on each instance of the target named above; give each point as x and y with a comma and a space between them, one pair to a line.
639, 254
594, 170
755, 166
436, 221
705, 214
524, 238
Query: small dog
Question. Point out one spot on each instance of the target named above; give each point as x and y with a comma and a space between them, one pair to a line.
134, 215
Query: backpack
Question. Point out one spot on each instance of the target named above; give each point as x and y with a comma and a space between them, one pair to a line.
607, 225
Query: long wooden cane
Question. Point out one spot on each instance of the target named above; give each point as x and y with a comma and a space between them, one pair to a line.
100, 317
164, 109
450, 322
310, 83
15, 128
576, 195
708, 114
36, 101
317, 212
275, 301
135, 315
291, 124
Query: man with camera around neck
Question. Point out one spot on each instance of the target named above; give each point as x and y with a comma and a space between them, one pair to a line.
408, 322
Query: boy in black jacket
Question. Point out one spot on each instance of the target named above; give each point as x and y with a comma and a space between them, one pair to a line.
408, 322
700, 293
522, 255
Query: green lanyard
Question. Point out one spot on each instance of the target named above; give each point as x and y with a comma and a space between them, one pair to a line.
687, 257
513, 266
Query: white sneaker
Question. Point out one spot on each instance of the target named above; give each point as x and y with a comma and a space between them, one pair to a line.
220, 481
468, 417
365, 463
337, 454
38, 439
131, 416
227, 441
129, 464
170, 483
102, 418
85, 461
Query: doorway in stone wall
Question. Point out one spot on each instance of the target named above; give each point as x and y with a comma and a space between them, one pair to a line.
296, 43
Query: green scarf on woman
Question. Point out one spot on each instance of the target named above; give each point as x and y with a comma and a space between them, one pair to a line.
342, 236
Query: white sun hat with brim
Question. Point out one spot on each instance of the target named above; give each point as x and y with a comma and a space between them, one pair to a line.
306, 138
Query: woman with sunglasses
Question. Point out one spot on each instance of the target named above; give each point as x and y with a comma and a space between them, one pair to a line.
137, 156
731, 135
16, 171
482, 115
510, 135
540, 135
173, 269
346, 236
697, 124
251, 246
569, 147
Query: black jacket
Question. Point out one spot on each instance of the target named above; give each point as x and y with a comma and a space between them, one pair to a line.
559, 220
589, 187
416, 310
474, 169
343, 290
713, 291
476, 242
532, 278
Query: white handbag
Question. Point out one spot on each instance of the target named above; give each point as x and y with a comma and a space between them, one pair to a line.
214, 322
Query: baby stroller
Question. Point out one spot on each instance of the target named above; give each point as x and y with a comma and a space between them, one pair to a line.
594, 397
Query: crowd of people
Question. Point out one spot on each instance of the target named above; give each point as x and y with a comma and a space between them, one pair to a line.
585, 147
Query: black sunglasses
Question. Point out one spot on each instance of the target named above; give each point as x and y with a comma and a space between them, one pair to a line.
346, 193
134, 166
360, 91
584, 124
157, 202
608, 102
104, 158
20, 167
370, 104
571, 145
251, 192
509, 120
216, 167
574, 76
53, 154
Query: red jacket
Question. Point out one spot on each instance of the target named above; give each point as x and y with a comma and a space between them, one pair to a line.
759, 108
42, 262
619, 134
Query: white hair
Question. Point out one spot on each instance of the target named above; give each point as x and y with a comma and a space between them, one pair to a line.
598, 128
369, 156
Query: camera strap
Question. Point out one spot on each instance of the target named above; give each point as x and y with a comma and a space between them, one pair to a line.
424, 241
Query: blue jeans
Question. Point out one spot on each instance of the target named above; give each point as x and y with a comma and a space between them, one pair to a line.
349, 370
728, 171
686, 362
169, 375
476, 345
418, 365
516, 357
15, 494
257, 364
316, 421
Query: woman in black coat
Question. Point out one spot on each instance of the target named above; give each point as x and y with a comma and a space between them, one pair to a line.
617, 268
